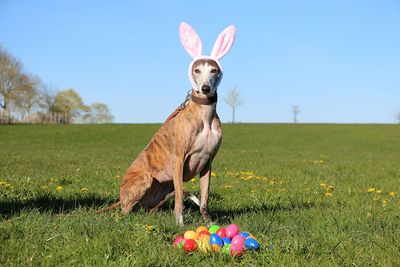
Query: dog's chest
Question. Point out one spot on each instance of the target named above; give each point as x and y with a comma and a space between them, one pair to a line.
205, 146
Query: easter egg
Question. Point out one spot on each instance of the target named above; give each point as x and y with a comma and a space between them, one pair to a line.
251, 244
204, 232
178, 240
213, 228
201, 228
226, 240
232, 230
244, 234
203, 244
238, 240
215, 248
236, 250
190, 245
215, 240
189, 234
226, 249
180, 245
221, 232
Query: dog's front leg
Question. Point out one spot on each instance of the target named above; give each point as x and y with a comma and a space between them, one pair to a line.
178, 186
205, 175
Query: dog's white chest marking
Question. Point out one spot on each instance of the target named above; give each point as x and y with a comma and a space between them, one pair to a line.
204, 148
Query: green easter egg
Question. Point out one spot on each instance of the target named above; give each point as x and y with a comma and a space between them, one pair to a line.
213, 229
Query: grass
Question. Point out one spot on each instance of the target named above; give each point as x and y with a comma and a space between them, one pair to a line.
301, 188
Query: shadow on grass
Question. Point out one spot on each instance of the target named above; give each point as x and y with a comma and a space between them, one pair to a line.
51, 204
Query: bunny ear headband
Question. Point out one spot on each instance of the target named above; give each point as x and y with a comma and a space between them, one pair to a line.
192, 43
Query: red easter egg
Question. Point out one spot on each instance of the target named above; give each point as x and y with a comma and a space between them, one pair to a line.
238, 240
221, 232
236, 250
190, 245
204, 232
178, 240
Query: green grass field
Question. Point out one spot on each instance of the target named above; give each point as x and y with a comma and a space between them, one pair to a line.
319, 194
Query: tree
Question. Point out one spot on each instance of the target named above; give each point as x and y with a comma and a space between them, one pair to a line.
70, 104
98, 113
234, 100
295, 111
46, 97
398, 118
15, 86
27, 95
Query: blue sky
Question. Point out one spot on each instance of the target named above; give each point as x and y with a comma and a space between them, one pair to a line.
338, 60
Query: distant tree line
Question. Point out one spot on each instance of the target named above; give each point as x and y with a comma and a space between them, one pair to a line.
24, 98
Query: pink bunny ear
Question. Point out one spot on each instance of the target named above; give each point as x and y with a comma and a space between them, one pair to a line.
224, 43
190, 40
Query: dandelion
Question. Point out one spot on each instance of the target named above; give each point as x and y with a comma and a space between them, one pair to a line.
193, 180
321, 161
392, 194
371, 190
150, 228
253, 190
379, 191
329, 188
227, 186
213, 174
322, 185
328, 194
384, 202
369, 215
3, 182
44, 187
59, 188
84, 190
8, 185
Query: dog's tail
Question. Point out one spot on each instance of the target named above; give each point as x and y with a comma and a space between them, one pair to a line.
113, 206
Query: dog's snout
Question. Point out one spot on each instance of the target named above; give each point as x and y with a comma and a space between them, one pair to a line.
205, 88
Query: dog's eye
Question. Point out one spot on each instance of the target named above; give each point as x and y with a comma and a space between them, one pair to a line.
214, 71
197, 71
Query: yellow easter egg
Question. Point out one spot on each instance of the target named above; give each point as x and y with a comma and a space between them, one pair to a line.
201, 228
189, 234
203, 244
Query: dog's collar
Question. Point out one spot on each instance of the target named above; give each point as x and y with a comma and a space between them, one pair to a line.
204, 101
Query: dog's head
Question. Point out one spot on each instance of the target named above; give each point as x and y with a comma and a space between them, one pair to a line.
205, 72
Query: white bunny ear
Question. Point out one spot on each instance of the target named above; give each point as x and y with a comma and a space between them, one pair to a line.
224, 43
190, 40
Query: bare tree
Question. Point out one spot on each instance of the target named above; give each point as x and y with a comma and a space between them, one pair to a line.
98, 113
15, 86
234, 100
47, 97
295, 111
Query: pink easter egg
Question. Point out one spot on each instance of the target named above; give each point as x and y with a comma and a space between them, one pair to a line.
178, 240
236, 250
232, 230
238, 240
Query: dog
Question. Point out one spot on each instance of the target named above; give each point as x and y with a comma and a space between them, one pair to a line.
187, 142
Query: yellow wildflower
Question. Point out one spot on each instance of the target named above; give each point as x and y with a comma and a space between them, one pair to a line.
392, 194
329, 188
84, 190
384, 202
322, 185
371, 189
321, 161
213, 174
44, 187
3, 182
193, 180
59, 188
378, 191
328, 194
369, 215
227, 186
150, 228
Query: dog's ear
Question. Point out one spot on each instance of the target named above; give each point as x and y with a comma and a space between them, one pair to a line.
224, 43
190, 40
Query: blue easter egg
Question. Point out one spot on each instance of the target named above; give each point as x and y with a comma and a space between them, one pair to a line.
215, 240
251, 244
244, 234
226, 240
